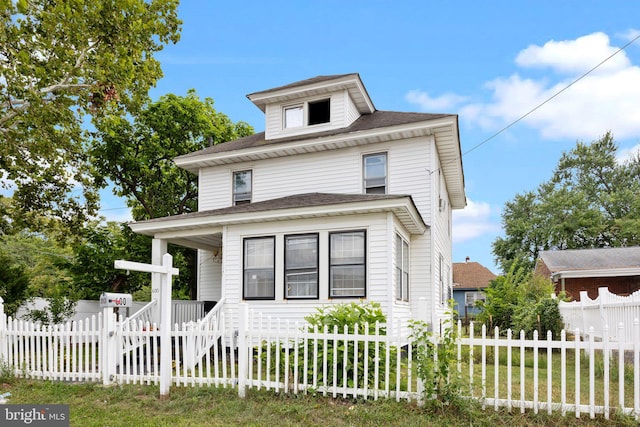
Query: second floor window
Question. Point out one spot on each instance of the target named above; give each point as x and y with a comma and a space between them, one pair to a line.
241, 187
375, 173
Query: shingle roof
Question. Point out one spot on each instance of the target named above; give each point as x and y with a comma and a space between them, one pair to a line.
378, 119
288, 202
591, 259
471, 275
317, 79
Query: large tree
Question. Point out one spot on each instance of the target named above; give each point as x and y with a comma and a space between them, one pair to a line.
61, 63
136, 154
591, 201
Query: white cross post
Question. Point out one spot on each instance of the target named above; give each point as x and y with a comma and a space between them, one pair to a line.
167, 272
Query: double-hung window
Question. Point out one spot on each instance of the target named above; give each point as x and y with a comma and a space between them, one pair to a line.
259, 268
402, 269
347, 264
241, 187
301, 266
375, 173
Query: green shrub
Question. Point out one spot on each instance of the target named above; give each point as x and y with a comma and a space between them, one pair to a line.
349, 315
436, 360
338, 315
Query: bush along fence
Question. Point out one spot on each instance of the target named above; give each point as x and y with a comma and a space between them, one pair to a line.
573, 373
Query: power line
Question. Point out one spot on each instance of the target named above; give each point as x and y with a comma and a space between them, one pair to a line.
550, 98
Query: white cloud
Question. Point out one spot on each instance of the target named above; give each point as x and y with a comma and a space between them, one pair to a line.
604, 100
574, 56
629, 35
625, 154
473, 221
434, 104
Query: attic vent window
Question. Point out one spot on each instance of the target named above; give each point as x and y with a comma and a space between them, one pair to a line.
319, 112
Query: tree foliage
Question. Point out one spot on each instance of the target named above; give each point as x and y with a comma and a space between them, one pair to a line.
62, 62
14, 282
520, 300
137, 154
591, 201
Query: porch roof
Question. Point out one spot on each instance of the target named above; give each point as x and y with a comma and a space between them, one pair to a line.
201, 230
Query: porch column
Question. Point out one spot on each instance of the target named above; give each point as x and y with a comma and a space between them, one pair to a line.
158, 249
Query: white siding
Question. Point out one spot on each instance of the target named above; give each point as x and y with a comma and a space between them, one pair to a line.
209, 277
335, 171
441, 231
351, 111
295, 310
215, 187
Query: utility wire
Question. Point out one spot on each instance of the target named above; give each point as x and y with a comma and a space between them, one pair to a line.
551, 97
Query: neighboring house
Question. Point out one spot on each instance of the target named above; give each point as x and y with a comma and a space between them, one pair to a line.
575, 270
469, 281
334, 202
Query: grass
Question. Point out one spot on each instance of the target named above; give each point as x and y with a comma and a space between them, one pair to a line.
95, 405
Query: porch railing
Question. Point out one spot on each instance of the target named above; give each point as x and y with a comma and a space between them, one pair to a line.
205, 332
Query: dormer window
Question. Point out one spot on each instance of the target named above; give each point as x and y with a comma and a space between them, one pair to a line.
307, 114
293, 117
319, 112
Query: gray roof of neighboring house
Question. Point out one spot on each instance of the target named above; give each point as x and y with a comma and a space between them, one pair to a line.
377, 119
591, 259
288, 202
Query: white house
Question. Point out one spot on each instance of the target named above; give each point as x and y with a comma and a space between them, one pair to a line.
334, 202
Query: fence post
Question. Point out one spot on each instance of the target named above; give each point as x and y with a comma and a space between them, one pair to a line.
3, 333
243, 353
165, 326
108, 348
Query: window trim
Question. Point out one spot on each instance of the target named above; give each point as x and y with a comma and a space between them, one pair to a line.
364, 265
285, 269
400, 258
234, 193
365, 188
244, 269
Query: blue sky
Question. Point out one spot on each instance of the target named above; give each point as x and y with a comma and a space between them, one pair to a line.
488, 62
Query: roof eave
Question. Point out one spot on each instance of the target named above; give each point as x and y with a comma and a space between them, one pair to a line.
350, 82
184, 226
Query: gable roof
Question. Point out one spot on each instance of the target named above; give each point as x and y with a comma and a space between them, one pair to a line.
600, 262
471, 275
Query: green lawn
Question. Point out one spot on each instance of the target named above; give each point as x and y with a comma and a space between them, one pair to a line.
135, 405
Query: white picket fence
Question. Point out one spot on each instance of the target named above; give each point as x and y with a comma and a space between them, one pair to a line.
569, 374
607, 309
